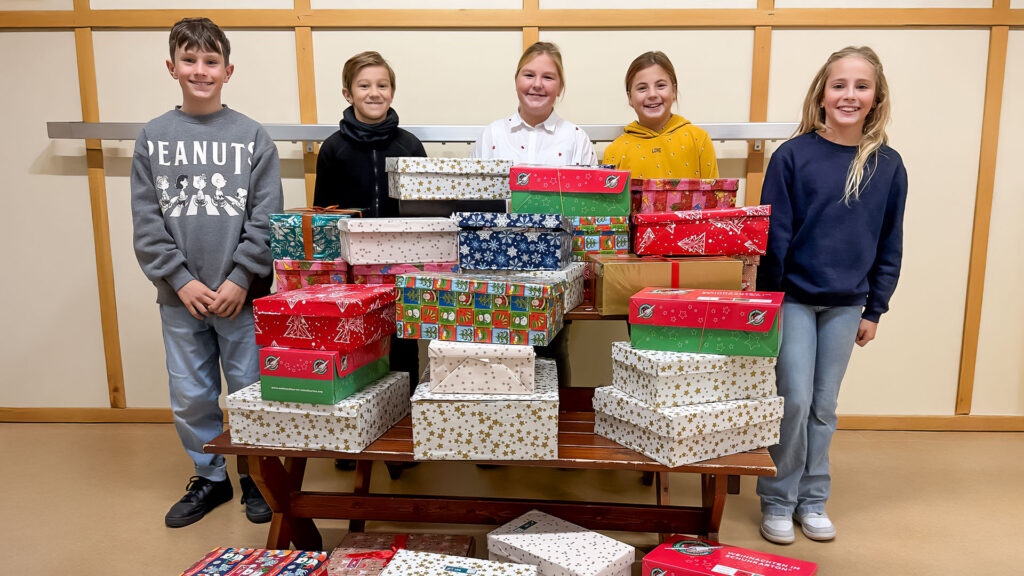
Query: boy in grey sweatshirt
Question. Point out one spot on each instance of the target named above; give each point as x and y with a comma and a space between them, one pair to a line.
204, 181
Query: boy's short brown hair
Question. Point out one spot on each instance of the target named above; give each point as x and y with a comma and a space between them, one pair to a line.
364, 60
199, 33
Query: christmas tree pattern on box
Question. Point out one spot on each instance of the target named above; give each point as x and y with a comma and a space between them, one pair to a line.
719, 232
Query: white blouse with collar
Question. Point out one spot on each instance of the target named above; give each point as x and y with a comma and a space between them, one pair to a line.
553, 142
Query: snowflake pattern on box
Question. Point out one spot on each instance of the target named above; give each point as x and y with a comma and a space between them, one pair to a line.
286, 239
727, 231
499, 241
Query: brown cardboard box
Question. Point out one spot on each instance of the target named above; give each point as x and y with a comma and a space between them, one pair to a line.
361, 542
618, 277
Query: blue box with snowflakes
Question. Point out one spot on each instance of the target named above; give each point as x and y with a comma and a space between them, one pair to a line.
500, 241
307, 233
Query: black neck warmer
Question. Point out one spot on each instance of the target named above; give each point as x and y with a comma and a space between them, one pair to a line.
368, 133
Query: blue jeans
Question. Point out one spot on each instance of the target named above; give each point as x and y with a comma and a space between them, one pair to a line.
816, 345
194, 348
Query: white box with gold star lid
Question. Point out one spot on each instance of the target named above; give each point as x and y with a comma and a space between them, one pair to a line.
410, 563
447, 178
488, 426
685, 434
664, 379
348, 426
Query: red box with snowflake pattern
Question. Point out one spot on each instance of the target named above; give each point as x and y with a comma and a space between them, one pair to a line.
339, 317
719, 232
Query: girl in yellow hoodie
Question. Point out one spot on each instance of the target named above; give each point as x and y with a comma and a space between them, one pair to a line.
659, 144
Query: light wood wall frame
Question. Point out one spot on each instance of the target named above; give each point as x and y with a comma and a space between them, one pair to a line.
758, 111
307, 102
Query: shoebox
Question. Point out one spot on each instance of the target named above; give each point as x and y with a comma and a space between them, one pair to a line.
726, 322
618, 277
339, 317
488, 426
675, 194
571, 274
239, 561
723, 231
569, 190
295, 274
470, 368
385, 273
665, 379
483, 308
307, 233
348, 426
366, 554
409, 563
685, 434
558, 547
750, 264
599, 235
687, 556
398, 240
321, 376
447, 178
500, 241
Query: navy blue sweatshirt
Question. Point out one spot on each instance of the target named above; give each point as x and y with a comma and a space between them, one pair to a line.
822, 252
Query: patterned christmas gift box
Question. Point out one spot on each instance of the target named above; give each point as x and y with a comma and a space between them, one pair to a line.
385, 273
339, 317
558, 547
500, 241
665, 379
726, 231
572, 275
307, 233
366, 554
672, 195
398, 240
348, 426
470, 368
685, 434
447, 178
295, 274
321, 376
599, 235
750, 264
242, 561
686, 556
726, 322
617, 278
409, 563
569, 190
480, 308
488, 426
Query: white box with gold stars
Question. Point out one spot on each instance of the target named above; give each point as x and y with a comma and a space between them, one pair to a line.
665, 379
348, 426
488, 426
685, 434
410, 563
447, 178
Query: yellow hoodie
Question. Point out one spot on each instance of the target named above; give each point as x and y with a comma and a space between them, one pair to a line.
680, 150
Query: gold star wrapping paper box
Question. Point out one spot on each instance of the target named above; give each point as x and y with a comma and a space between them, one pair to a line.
447, 178
471, 368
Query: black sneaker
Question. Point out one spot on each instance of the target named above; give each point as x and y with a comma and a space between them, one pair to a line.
202, 496
256, 508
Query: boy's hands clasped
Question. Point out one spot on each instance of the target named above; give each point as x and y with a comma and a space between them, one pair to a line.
200, 301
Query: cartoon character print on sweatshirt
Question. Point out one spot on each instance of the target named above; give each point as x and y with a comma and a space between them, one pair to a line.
193, 197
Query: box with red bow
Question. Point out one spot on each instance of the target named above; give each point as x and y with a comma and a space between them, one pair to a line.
720, 232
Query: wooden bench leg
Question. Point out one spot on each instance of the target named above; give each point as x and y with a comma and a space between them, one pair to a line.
734, 484
664, 498
362, 487
277, 482
713, 493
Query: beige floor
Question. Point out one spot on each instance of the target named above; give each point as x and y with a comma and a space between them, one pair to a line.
90, 499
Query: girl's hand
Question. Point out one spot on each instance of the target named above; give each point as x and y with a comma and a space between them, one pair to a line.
866, 331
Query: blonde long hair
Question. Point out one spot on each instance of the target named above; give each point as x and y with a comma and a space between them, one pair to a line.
874, 136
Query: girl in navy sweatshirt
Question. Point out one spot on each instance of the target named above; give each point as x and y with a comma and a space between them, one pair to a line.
837, 193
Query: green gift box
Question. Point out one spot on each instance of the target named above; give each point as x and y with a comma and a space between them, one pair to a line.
569, 190
321, 376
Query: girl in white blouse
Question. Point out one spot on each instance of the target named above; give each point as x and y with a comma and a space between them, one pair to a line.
534, 134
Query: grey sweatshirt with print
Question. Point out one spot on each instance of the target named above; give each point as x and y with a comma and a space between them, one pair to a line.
203, 188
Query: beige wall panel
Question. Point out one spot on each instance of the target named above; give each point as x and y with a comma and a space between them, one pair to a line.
883, 3
443, 77
51, 348
189, 4
912, 366
134, 86
644, 4
37, 5
999, 375
1016, 4
417, 4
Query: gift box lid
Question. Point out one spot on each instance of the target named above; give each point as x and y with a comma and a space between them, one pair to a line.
409, 563
249, 398
683, 421
659, 218
327, 300
705, 184
359, 225
437, 165
408, 268
559, 547
708, 309
686, 555
286, 264
316, 364
600, 223
569, 273
659, 363
316, 215
224, 561
511, 285
503, 220
445, 349
545, 388
568, 179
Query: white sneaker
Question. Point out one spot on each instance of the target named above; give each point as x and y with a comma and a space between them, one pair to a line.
816, 526
777, 529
